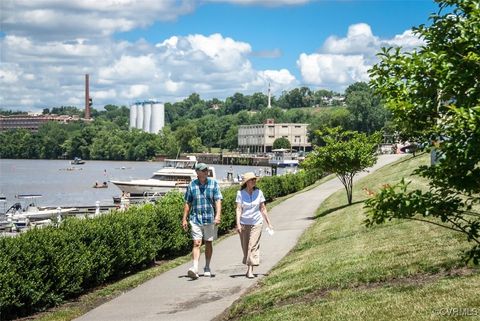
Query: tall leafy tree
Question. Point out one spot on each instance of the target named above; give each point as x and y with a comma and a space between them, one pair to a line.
52, 136
434, 96
367, 113
236, 103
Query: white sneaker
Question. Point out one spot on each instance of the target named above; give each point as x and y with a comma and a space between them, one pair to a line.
207, 272
192, 273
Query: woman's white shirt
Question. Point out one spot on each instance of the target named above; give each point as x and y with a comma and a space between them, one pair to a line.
250, 204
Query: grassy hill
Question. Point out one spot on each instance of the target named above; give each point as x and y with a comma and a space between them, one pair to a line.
341, 270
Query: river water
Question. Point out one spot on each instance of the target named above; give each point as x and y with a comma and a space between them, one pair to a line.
65, 185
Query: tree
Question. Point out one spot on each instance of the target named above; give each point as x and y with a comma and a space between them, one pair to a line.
434, 98
329, 117
368, 115
236, 103
345, 153
169, 143
187, 137
281, 143
258, 101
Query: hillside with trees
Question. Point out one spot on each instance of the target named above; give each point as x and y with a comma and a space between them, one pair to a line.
191, 125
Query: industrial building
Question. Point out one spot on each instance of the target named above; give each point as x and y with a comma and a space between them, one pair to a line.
148, 116
259, 138
32, 122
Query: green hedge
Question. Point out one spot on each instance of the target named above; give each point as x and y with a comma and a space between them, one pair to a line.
43, 267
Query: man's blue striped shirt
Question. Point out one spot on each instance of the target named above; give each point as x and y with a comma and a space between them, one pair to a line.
202, 198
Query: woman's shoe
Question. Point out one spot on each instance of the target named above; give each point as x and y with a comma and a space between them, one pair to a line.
250, 276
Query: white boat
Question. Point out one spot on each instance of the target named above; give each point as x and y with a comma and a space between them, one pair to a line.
176, 174
29, 210
283, 158
77, 161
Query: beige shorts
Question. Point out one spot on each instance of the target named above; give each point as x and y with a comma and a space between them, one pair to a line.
206, 232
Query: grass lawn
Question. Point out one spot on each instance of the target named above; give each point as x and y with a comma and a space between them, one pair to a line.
341, 270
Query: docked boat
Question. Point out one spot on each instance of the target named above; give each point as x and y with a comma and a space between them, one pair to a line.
31, 211
77, 161
283, 158
176, 174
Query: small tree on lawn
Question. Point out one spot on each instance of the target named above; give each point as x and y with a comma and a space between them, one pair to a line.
281, 143
434, 96
345, 153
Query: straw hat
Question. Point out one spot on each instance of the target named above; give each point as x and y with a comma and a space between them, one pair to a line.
246, 177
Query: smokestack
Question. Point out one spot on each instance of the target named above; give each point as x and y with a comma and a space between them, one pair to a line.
87, 97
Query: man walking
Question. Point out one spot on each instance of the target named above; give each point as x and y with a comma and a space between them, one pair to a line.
203, 205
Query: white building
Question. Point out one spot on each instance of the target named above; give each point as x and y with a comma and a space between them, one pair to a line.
259, 138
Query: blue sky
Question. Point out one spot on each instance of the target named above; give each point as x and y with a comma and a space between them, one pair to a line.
290, 29
167, 49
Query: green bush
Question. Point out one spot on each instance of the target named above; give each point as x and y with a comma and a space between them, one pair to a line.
43, 267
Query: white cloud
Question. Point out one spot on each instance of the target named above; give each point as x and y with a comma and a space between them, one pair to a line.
330, 69
343, 61
136, 91
61, 20
49, 45
406, 40
359, 40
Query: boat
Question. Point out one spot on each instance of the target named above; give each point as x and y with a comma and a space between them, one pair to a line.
282, 157
176, 174
31, 211
77, 161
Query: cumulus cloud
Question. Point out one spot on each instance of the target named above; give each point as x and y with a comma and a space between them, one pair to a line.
49, 45
342, 61
61, 20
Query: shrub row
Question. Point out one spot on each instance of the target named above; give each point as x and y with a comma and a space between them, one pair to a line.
43, 267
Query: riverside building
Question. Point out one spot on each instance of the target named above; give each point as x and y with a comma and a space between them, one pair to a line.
259, 138
32, 122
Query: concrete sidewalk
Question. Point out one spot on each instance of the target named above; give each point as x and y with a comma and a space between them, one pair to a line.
173, 296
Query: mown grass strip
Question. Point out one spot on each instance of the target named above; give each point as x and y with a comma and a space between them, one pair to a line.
340, 270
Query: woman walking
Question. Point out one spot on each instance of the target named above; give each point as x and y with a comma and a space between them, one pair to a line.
251, 212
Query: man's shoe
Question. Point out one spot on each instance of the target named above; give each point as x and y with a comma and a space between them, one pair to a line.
207, 272
192, 274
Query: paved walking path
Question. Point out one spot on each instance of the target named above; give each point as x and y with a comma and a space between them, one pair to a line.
173, 296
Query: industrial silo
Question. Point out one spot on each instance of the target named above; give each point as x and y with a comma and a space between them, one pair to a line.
133, 116
147, 113
158, 118
139, 122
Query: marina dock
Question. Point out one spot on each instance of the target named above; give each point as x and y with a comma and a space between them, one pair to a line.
233, 159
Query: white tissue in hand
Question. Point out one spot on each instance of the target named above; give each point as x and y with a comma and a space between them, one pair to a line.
270, 231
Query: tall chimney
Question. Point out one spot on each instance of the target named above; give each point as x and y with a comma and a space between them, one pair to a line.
87, 97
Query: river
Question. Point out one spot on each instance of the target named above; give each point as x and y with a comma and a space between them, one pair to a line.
59, 185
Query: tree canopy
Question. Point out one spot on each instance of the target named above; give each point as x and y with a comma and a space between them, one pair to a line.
194, 125
434, 96
281, 143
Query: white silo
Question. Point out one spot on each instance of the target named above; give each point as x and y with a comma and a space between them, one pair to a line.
158, 118
139, 122
147, 113
133, 116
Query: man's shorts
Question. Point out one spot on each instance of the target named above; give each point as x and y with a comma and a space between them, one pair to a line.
206, 232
